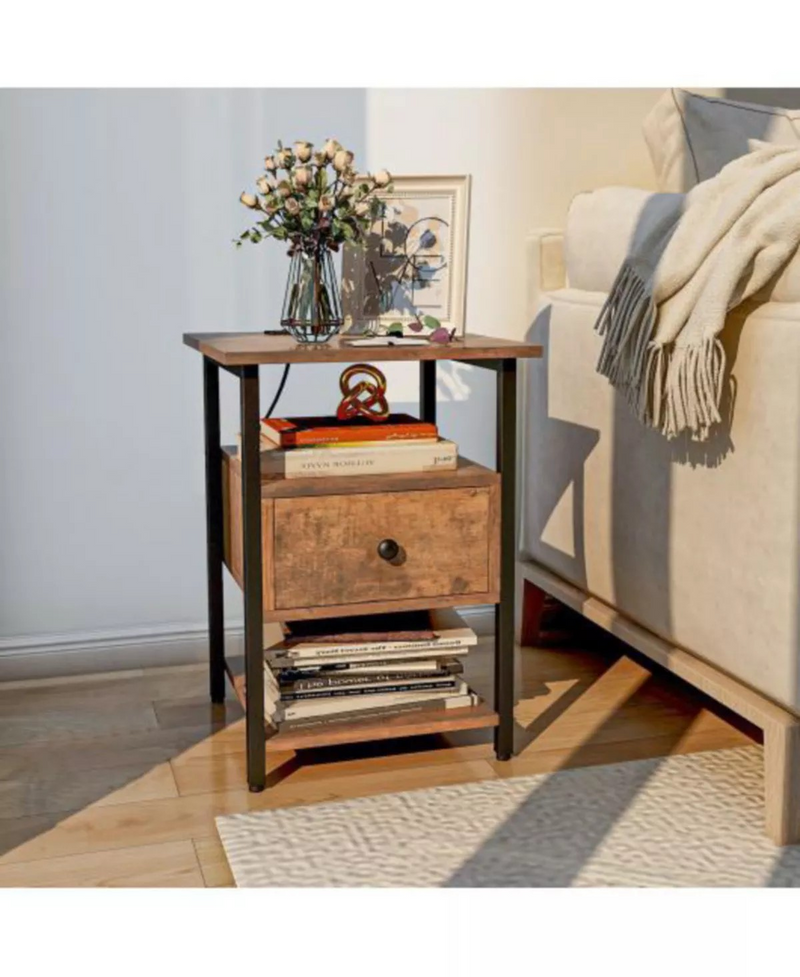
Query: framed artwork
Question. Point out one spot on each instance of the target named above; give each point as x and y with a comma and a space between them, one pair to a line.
413, 268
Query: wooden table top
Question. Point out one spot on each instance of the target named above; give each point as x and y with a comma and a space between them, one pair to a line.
253, 348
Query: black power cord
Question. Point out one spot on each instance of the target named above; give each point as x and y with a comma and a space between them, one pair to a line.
279, 391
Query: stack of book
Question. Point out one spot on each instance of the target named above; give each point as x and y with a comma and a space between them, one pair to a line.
344, 669
309, 447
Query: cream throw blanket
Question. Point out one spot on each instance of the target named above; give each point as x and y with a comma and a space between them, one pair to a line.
703, 255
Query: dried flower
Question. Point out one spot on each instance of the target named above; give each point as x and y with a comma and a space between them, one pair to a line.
382, 178
313, 199
342, 160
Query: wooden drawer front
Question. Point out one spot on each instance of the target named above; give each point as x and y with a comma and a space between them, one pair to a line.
326, 548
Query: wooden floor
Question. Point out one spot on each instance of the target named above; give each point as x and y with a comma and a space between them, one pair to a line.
116, 779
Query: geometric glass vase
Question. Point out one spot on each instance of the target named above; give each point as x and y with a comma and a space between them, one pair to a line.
312, 310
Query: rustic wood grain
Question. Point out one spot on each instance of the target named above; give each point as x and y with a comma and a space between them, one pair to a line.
326, 552
240, 349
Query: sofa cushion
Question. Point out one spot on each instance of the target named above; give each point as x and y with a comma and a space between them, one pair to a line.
603, 225
691, 137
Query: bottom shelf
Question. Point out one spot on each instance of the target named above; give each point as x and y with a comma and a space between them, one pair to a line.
420, 722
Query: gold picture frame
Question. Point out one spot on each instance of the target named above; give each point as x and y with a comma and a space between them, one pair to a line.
413, 264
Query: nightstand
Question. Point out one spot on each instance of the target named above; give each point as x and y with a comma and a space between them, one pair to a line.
283, 541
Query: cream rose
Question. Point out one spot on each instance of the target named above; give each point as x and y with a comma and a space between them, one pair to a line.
292, 207
362, 208
283, 189
342, 160
284, 158
382, 178
262, 184
249, 200
302, 176
326, 203
303, 150
331, 148
270, 164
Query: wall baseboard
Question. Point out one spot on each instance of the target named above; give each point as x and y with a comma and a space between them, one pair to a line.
123, 649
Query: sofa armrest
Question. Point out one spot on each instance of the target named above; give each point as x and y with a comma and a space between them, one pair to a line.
602, 227
546, 266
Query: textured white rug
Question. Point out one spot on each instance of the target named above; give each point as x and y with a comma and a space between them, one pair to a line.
679, 821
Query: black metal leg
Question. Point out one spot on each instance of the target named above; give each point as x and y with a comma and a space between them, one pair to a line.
253, 601
504, 611
427, 390
214, 531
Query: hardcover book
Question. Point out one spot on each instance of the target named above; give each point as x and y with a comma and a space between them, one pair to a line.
292, 432
353, 458
294, 680
364, 670
279, 712
385, 712
365, 638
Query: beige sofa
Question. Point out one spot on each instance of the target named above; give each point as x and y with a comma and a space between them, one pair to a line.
691, 552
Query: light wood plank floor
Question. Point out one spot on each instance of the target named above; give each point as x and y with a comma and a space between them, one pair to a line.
115, 779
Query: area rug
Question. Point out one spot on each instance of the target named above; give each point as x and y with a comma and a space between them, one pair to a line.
693, 820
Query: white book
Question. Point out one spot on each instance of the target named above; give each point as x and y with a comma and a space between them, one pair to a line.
373, 458
451, 636
287, 711
453, 702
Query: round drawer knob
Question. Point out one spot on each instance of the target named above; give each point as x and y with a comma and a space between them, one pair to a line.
388, 549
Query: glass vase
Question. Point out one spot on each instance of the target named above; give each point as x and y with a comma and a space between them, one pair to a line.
312, 310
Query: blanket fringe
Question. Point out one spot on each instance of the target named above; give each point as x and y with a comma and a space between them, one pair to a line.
671, 388
693, 389
626, 323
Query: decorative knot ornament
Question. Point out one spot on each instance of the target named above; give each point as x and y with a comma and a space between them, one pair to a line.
365, 397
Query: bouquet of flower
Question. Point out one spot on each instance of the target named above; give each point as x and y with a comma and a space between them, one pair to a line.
313, 200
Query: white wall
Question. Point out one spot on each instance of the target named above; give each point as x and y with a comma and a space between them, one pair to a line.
118, 208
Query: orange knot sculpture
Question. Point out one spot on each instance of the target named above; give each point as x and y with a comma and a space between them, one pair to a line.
365, 397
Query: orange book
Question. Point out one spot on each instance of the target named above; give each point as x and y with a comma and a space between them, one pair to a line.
292, 432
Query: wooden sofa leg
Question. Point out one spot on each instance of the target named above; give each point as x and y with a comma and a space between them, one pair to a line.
533, 599
782, 781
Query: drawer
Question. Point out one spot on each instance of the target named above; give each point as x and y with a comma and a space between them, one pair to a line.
326, 549
321, 539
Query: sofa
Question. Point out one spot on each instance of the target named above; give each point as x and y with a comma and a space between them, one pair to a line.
690, 551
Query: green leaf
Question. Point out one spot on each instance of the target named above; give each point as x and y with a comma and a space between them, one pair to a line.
430, 322
395, 329
279, 233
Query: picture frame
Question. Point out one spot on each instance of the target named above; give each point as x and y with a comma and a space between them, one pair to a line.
413, 265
